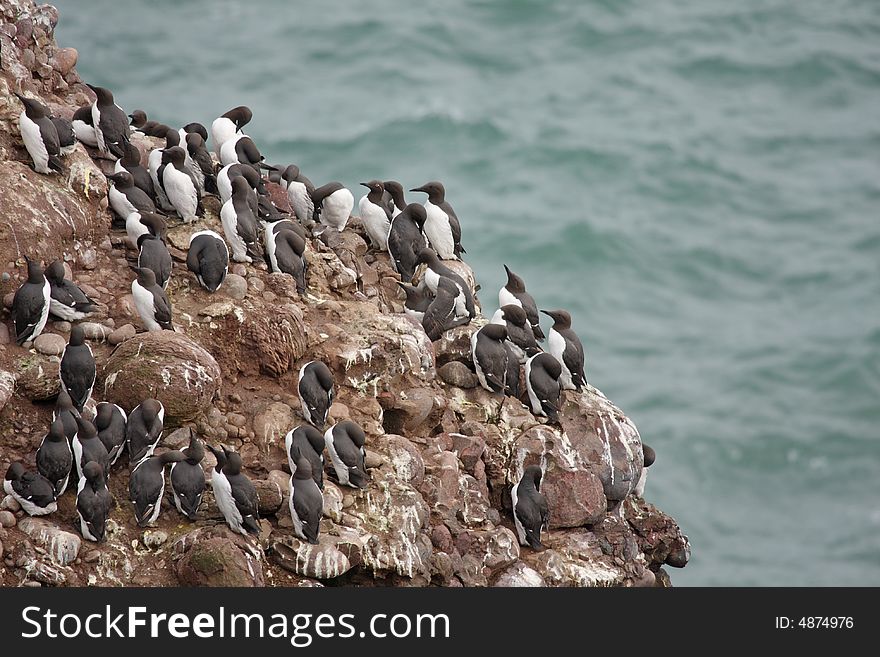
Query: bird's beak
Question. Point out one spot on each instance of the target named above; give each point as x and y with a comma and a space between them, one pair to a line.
418, 189
367, 185
546, 312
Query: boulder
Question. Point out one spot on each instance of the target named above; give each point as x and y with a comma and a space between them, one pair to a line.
218, 561
167, 366
519, 574
322, 561
61, 546
37, 377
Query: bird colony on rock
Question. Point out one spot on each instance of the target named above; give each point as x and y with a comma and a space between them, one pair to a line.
170, 189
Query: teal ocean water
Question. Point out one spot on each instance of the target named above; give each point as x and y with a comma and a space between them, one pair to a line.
697, 182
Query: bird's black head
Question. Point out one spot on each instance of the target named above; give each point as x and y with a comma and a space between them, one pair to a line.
196, 129
105, 96
417, 212
514, 282
138, 118
514, 314
123, 178
84, 428
16, 471
233, 462
33, 108
146, 277
435, 191
196, 450
150, 408
174, 155
290, 173
55, 272
375, 186
35, 271
396, 190
194, 141
494, 331
240, 116
56, 431
533, 473
561, 318
77, 336
649, 454
93, 472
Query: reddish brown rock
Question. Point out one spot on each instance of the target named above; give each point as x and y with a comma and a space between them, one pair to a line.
164, 365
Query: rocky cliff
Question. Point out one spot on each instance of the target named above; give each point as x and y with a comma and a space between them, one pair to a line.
442, 453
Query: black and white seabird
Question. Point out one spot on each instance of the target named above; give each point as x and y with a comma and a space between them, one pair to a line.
240, 222
490, 357
156, 168
54, 458
285, 249
649, 456
435, 269
31, 490
66, 135
150, 300
441, 315
345, 443
231, 171
141, 124
299, 193
542, 381
83, 128
306, 502
144, 429
66, 300
228, 125
146, 485
333, 205
208, 259
234, 493
153, 254
178, 184
93, 502
566, 347
514, 291
40, 136
394, 191
65, 411
315, 392
204, 165
110, 123
188, 479
307, 442
86, 446
530, 511
31, 303
196, 128
143, 223
125, 197
131, 162
242, 149
77, 369
375, 214
418, 299
406, 241
442, 227
286, 222
110, 421
519, 331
